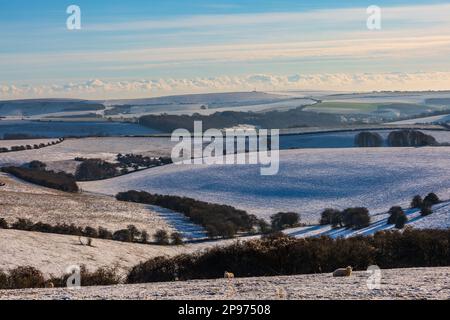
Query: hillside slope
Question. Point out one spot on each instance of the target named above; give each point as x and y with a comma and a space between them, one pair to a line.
417, 283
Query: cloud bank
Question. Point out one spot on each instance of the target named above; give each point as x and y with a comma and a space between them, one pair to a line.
103, 89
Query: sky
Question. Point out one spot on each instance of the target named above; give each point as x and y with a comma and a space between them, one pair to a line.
137, 48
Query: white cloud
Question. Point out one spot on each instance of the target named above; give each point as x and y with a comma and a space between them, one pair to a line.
103, 89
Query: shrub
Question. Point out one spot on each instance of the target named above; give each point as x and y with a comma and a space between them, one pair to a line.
401, 221
328, 216
425, 211
105, 276
4, 280
177, 238
283, 220
416, 202
122, 235
397, 217
3, 224
104, 233
394, 213
368, 139
161, 237
356, 218
26, 277
410, 138
144, 236
95, 169
37, 165
431, 199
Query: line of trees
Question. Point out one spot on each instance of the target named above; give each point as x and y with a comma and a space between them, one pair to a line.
399, 138
355, 218
38, 175
130, 234
218, 220
30, 147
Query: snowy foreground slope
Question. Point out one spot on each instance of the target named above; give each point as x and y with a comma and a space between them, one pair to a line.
308, 181
415, 283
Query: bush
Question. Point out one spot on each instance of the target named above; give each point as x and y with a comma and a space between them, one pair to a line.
3, 224
416, 202
161, 237
356, 218
177, 238
4, 280
368, 139
394, 213
410, 138
401, 221
26, 277
425, 211
283, 220
431, 199
328, 216
123, 235
95, 169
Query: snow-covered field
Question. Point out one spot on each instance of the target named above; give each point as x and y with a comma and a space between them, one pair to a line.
413, 284
308, 181
61, 156
19, 199
433, 119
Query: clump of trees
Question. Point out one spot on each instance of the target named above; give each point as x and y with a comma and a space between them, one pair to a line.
218, 220
283, 220
425, 205
137, 160
355, 218
56, 180
285, 255
397, 216
95, 169
368, 139
410, 138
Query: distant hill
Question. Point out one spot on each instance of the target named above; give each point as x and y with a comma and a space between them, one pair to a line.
35, 107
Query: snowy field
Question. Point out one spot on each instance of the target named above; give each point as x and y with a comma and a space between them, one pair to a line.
411, 284
308, 181
20, 199
60, 157
105, 148
433, 119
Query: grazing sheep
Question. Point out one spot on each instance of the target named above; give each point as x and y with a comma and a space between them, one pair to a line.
343, 272
228, 275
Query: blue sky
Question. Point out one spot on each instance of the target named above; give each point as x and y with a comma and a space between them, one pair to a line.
142, 48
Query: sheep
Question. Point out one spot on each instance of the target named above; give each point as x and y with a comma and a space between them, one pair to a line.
343, 272
228, 275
